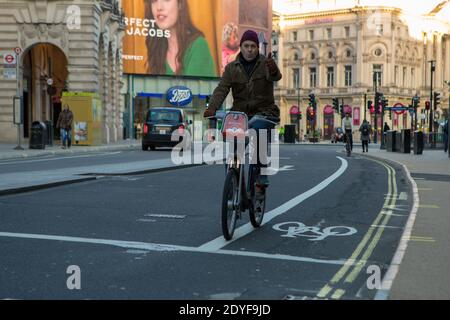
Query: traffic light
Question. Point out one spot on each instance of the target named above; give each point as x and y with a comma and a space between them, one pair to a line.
341, 110
369, 104
207, 101
336, 104
312, 101
427, 105
437, 99
384, 104
378, 96
300, 115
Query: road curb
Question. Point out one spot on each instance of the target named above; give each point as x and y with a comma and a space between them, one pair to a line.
44, 186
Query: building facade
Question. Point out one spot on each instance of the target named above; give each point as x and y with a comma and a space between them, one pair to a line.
73, 46
350, 53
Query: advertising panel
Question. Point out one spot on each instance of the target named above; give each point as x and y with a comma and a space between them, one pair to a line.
190, 37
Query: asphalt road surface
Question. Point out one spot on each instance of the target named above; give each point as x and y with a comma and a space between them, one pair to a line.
331, 223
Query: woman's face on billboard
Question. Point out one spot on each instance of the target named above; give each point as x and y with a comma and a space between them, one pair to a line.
165, 13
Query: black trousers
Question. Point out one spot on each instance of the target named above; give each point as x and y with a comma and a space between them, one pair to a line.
365, 143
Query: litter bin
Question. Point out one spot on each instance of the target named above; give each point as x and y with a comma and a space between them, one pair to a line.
418, 142
50, 136
390, 141
38, 135
405, 145
398, 141
289, 133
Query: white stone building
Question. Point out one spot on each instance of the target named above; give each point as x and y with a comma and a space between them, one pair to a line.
335, 49
66, 46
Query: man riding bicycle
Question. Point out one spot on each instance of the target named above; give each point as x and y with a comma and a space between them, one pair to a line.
347, 126
250, 78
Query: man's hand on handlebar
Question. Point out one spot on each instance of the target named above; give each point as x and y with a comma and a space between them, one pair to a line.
209, 113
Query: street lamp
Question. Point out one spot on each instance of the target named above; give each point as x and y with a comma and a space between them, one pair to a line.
376, 105
431, 119
448, 116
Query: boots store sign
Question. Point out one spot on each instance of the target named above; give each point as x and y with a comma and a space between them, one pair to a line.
179, 96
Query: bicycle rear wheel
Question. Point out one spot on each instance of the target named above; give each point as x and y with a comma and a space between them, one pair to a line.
258, 202
230, 207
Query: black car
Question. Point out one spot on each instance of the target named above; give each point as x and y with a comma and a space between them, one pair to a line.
159, 125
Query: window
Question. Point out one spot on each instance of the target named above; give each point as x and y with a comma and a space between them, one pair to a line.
312, 77
330, 55
313, 56
378, 52
396, 75
347, 32
379, 29
311, 34
404, 77
330, 76
295, 56
294, 36
329, 34
348, 53
348, 76
377, 74
296, 77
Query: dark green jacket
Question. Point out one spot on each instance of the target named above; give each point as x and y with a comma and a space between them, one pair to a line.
252, 95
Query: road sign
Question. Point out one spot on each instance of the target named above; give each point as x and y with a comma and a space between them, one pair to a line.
18, 50
9, 59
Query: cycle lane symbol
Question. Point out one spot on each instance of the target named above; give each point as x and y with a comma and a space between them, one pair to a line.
297, 229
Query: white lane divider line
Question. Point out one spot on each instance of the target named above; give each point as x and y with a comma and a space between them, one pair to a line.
247, 228
168, 247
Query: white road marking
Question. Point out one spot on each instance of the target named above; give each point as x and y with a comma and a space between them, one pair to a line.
244, 230
389, 277
168, 247
170, 216
60, 158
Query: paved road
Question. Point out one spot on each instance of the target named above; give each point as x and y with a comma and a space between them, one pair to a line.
158, 236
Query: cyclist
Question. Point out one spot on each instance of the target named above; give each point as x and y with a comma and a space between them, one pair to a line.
250, 77
347, 126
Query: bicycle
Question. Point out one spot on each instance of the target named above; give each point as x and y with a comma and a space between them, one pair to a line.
238, 196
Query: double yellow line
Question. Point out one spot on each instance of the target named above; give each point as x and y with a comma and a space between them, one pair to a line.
367, 245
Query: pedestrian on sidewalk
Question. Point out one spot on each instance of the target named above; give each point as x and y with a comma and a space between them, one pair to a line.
64, 123
365, 130
281, 133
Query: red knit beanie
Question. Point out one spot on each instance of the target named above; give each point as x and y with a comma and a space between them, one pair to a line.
251, 36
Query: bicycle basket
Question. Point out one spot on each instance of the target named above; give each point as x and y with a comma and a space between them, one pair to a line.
234, 125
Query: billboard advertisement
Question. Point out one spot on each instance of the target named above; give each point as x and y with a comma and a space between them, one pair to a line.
189, 37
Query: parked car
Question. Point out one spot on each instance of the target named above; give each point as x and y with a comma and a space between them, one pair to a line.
337, 136
159, 125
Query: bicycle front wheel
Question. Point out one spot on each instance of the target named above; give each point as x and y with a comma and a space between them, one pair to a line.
230, 205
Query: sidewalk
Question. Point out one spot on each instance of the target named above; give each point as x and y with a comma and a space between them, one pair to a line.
421, 272
7, 151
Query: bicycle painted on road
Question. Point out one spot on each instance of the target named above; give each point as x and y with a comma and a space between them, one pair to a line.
297, 229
